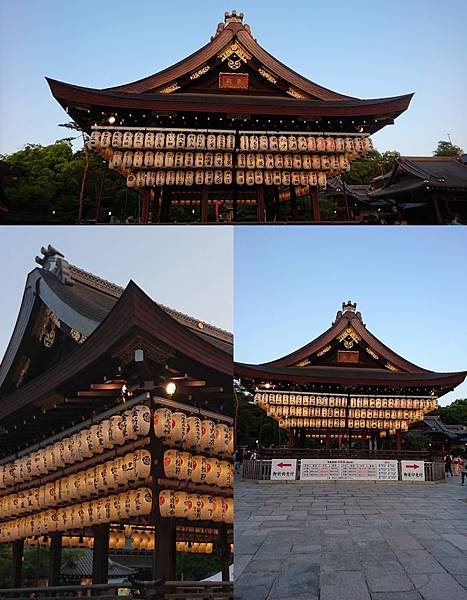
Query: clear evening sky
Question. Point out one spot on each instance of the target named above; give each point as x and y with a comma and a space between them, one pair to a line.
186, 268
410, 284
362, 48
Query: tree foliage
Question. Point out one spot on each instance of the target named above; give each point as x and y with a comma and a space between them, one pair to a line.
374, 164
48, 190
447, 149
453, 414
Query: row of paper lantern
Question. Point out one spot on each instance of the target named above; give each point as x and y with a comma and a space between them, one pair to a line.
200, 141
324, 423
194, 547
86, 443
105, 477
305, 411
219, 160
302, 143
411, 403
266, 398
133, 503
176, 429
195, 507
198, 469
144, 179
159, 140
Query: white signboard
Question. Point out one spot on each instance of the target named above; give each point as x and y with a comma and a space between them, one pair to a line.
283, 469
413, 470
348, 469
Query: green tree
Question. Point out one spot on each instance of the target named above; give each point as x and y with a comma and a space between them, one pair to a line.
447, 149
374, 164
453, 414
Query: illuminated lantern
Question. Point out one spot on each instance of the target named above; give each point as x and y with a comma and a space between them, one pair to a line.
200, 141
320, 144
107, 433
127, 160
285, 178
213, 471
208, 436
250, 161
159, 140
221, 445
227, 510
86, 443
167, 503
178, 428
303, 178
194, 506
142, 462
150, 179
230, 449
292, 143
160, 178
199, 177
330, 144
211, 142
334, 162
117, 139
94, 140
131, 181
282, 142
170, 140
179, 177
325, 164
140, 179
159, 159
316, 162
259, 177
263, 142
273, 143
367, 144
35, 467
178, 160
119, 429
199, 469
50, 498
181, 505
267, 176
189, 178
138, 159
170, 463
115, 507
240, 177
227, 177
295, 178
276, 177
193, 432
98, 438
348, 144
230, 141
185, 465
218, 177
287, 161
207, 507
322, 179
340, 146
227, 160
162, 422
149, 139
103, 476
358, 144
106, 139
208, 177
62, 519
241, 161
217, 509
254, 142
180, 140
224, 479
296, 161
250, 178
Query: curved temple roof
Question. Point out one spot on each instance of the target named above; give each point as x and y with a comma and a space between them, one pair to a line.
191, 85
318, 361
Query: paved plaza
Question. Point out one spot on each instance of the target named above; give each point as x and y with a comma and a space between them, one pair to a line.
350, 541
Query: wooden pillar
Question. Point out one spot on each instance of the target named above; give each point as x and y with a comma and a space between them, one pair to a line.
165, 554
328, 440
204, 205
293, 202
398, 441
224, 552
437, 209
235, 203
146, 202
260, 205
277, 204
156, 205
309, 209
55, 558
315, 204
17, 549
100, 555
363, 440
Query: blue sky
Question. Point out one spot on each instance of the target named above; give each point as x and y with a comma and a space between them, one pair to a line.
363, 48
410, 284
186, 268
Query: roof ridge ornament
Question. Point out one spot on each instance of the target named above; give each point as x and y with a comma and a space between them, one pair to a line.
348, 307
54, 262
233, 17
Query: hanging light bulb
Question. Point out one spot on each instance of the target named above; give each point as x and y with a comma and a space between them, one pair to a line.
111, 119
170, 388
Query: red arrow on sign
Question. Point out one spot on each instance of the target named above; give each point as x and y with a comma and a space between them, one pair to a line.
414, 466
281, 465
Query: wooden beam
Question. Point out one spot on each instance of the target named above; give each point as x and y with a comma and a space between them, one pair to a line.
97, 393
107, 386
100, 555
55, 558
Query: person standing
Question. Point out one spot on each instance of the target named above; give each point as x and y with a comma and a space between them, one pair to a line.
457, 462
464, 469
448, 464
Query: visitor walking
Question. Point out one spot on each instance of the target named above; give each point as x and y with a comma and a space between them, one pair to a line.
448, 464
457, 462
464, 470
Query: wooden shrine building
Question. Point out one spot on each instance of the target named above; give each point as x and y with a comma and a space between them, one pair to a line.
224, 131
116, 425
345, 384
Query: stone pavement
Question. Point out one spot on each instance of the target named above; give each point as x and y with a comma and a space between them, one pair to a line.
350, 541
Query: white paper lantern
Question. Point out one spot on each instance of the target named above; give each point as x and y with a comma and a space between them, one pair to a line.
167, 503
208, 436
213, 471
162, 420
178, 428
194, 506
193, 432
199, 469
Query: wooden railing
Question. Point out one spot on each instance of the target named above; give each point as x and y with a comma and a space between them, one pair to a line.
170, 590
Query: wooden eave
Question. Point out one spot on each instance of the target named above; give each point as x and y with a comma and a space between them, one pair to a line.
134, 313
347, 320
349, 378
